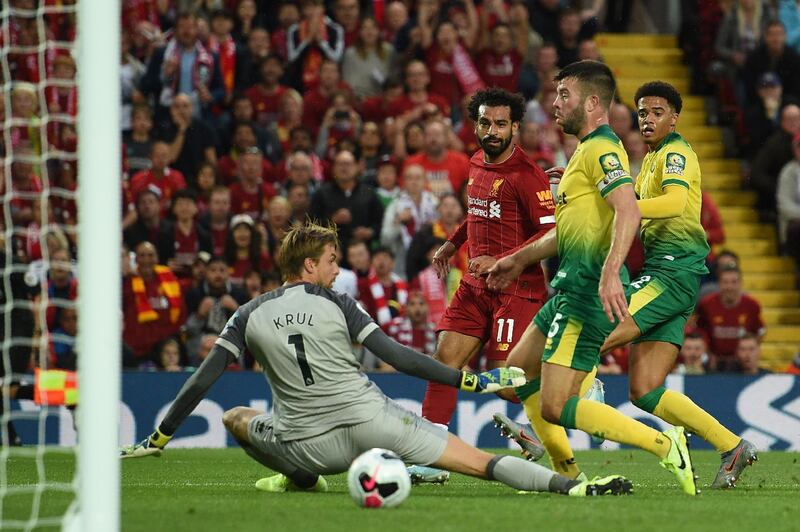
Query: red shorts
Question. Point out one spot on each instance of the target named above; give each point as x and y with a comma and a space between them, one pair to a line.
497, 319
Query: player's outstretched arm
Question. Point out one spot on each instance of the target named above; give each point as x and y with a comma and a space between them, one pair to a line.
190, 395
410, 362
508, 268
626, 224
668, 205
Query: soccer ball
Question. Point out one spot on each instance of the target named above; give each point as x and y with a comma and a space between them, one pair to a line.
378, 479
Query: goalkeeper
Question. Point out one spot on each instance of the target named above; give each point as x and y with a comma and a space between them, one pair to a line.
326, 412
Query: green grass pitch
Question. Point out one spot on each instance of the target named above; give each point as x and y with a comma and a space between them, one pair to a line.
212, 490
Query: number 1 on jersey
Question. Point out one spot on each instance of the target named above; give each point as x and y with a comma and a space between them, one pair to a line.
300, 350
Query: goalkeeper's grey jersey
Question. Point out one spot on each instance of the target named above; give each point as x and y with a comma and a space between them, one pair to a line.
301, 335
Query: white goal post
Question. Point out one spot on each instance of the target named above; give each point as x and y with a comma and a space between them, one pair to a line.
99, 236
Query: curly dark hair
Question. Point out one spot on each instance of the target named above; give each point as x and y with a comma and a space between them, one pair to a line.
660, 89
593, 77
495, 97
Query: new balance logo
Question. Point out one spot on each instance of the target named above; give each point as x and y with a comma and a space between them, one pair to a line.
494, 210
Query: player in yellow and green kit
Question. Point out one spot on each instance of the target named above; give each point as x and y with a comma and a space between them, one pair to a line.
596, 221
675, 251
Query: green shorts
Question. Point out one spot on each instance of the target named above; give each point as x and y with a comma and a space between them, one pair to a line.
576, 327
662, 303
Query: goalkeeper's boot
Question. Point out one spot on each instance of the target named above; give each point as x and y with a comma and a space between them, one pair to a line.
427, 475
280, 483
532, 448
733, 463
610, 485
598, 394
140, 450
679, 461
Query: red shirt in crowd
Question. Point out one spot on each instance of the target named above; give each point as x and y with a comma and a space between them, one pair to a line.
142, 337
136, 11
422, 339
227, 167
445, 176
165, 186
724, 326
240, 267
316, 104
500, 71
443, 77
187, 246
711, 221
218, 237
403, 104
375, 109
252, 203
23, 186
265, 104
510, 205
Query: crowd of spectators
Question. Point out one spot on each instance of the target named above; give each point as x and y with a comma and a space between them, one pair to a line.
747, 55
240, 117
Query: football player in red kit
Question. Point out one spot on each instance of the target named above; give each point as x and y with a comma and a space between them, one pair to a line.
510, 205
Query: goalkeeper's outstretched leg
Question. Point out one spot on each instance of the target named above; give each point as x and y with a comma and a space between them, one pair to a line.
290, 478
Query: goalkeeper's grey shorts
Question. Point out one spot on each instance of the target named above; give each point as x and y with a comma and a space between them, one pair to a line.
414, 439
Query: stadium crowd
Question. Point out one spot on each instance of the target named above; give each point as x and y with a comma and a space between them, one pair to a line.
240, 117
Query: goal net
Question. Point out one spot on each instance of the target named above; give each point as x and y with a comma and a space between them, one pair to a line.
47, 75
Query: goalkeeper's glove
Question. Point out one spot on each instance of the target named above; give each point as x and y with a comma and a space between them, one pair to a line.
493, 380
150, 446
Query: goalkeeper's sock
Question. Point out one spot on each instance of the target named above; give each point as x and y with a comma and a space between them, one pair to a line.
439, 403
303, 479
606, 422
676, 408
523, 475
159, 439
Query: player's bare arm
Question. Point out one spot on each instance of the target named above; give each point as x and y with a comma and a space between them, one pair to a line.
626, 224
510, 267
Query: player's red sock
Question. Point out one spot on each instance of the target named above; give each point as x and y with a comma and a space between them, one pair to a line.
439, 403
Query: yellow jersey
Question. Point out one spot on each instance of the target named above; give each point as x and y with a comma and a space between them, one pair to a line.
584, 220
679, 242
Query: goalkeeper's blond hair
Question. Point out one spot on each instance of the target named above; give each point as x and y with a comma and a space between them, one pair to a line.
305, 240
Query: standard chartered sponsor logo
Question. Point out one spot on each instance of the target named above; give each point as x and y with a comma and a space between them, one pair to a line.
483, 208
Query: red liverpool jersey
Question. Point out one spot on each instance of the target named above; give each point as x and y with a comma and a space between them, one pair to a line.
724, 326
510, 205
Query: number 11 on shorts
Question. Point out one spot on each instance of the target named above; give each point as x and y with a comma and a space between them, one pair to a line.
501, 323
